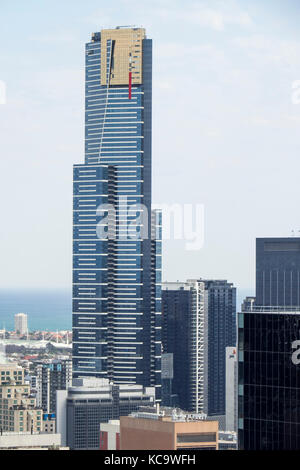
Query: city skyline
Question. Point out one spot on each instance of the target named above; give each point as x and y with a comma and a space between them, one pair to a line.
227, 48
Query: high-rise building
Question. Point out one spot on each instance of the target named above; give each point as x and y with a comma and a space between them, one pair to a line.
199, 322
51, 377
176, 332
278, 272
91, 401
116, 236
268, 352
21, 326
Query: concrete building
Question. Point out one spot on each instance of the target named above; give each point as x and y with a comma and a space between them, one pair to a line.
158, 431
18, 410
227, 440
231, 389
110, 435
21, 326
52, 377
11, 374
92, 401
29, 441
49, 423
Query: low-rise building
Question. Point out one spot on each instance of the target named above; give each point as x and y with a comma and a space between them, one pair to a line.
91, 401
110, 435
162, 431
30, 441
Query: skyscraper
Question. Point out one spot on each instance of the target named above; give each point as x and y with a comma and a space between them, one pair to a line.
21, 326
268, 351
278, 271
116, 236
199, 322
56, 375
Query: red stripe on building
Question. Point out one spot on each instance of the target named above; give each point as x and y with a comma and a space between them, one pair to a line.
130, 85
117, 441
103, 440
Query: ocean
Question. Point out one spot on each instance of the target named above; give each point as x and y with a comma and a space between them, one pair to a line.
50, 309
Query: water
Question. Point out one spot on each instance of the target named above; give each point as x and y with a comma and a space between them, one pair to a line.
49, 309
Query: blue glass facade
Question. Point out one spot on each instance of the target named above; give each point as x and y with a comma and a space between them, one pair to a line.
116, 275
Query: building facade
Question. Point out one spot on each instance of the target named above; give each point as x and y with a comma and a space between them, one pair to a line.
159, 431
18, 408
21, 326
199, 322
269, 379
51, 377
110, 435
231, 389
268, 351
278, 272
116, 236
89, 402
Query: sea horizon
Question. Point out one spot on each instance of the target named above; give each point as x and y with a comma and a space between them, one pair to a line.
51, 308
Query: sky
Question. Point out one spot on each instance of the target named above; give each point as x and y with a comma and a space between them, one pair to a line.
225, 128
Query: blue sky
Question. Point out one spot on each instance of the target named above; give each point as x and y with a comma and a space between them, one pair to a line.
225, 130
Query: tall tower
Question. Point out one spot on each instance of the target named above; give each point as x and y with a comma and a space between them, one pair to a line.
278, 271
199, 319
116, 236
268, 351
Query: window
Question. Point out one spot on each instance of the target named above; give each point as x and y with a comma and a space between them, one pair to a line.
207, 437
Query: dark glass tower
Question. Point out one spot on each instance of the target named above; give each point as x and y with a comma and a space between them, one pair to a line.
116, 237
278, 271
222, 332
269, 365
199, 322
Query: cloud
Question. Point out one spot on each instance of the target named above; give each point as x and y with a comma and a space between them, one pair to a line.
217, 18
274, 50
53, 38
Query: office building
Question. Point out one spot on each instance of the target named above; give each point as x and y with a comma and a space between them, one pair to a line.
199, 322
268, 352
167, 431
278, 272
116, 236
231, 389
51, 377
92, 401
21, 326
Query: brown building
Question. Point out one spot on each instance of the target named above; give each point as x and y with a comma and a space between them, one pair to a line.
150, 431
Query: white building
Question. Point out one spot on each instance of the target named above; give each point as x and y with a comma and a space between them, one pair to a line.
27, 440
231, 388
21, 326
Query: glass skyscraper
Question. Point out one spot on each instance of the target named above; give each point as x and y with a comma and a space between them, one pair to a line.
269, 356
199, 322
116, 236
